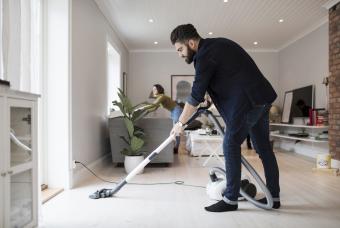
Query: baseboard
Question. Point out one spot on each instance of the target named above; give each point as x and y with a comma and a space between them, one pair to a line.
81, 174
48, 194
335, 163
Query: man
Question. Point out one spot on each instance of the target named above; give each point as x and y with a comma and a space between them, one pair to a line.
243, 97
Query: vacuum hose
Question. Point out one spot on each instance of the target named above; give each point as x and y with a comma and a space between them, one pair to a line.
247, 165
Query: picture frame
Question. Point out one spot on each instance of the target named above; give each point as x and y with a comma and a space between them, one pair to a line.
181, 87
287, 104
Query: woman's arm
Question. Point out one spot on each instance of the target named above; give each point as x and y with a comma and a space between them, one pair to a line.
151, 107
155, 105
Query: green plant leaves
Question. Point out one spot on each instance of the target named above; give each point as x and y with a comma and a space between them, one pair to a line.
139, 133
136, 143
125, 140
131, 115
136, 115
126, 103
129, 126
126, 152
120, 106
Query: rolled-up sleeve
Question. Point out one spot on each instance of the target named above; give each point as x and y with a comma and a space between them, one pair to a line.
192, 101
205, 69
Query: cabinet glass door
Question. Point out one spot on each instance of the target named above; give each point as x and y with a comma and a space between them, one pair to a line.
21, 177
21, 135
21, 202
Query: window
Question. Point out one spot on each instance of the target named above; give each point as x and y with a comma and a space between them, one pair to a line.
113, 75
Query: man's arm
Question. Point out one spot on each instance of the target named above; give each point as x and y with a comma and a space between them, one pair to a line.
205, 69
204, 73
188, 111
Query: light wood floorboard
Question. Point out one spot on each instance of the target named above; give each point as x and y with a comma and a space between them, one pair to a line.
308, 199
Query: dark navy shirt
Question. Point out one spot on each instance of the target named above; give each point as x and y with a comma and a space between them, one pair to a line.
231, 77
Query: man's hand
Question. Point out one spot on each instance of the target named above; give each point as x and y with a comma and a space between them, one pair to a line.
177, 129
188, 110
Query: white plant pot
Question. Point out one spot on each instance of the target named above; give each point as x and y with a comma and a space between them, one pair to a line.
132, 162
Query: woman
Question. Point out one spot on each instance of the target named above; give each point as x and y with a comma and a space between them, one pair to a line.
167, 103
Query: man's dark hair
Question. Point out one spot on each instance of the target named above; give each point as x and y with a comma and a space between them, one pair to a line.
159, 88
183, 33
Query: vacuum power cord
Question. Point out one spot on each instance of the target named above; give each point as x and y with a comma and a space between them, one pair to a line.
178, 182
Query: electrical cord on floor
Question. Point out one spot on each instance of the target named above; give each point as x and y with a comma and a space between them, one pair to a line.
161, 183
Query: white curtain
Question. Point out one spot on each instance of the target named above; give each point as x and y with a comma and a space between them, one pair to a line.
4, 14
11, 42
20, 44
5, 37
1, 61
36, 47
25, 47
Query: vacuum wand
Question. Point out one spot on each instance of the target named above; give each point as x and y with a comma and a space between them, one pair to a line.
103, 193
111, 192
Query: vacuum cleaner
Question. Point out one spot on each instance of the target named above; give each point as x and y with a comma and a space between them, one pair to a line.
217, 175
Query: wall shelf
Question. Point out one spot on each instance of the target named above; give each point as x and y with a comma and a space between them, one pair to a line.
298, 138
298, 126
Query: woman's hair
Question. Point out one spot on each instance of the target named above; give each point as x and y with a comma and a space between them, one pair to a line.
159, 88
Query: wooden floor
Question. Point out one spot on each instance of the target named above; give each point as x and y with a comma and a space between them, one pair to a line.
308, 199
49, 193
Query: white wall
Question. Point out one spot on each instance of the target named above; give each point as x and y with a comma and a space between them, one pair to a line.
305, 62
269, 66
56, 93
90, 32
302, 63
148, 68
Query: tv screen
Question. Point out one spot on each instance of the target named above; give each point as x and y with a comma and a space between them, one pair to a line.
303, 100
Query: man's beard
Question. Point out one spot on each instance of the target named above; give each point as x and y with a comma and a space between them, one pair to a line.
190, 56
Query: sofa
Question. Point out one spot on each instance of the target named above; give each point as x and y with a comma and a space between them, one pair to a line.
156, 131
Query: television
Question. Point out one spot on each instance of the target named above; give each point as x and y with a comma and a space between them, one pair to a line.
297, 103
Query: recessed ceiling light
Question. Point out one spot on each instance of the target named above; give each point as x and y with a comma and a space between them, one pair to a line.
281, 20
225, 0
155, 42
151, 20
210, 33
256, 43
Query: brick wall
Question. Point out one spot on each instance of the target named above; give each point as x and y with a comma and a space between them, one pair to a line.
334, 81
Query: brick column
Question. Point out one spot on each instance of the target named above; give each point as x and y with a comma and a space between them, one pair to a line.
334, 81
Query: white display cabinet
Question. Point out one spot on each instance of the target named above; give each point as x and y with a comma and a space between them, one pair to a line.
18, 159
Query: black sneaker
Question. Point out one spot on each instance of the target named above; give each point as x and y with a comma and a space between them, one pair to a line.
175, 150
276, 204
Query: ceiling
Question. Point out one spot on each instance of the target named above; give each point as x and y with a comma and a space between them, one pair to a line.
244, 21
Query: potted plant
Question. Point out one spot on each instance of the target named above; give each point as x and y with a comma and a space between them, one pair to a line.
134, 140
